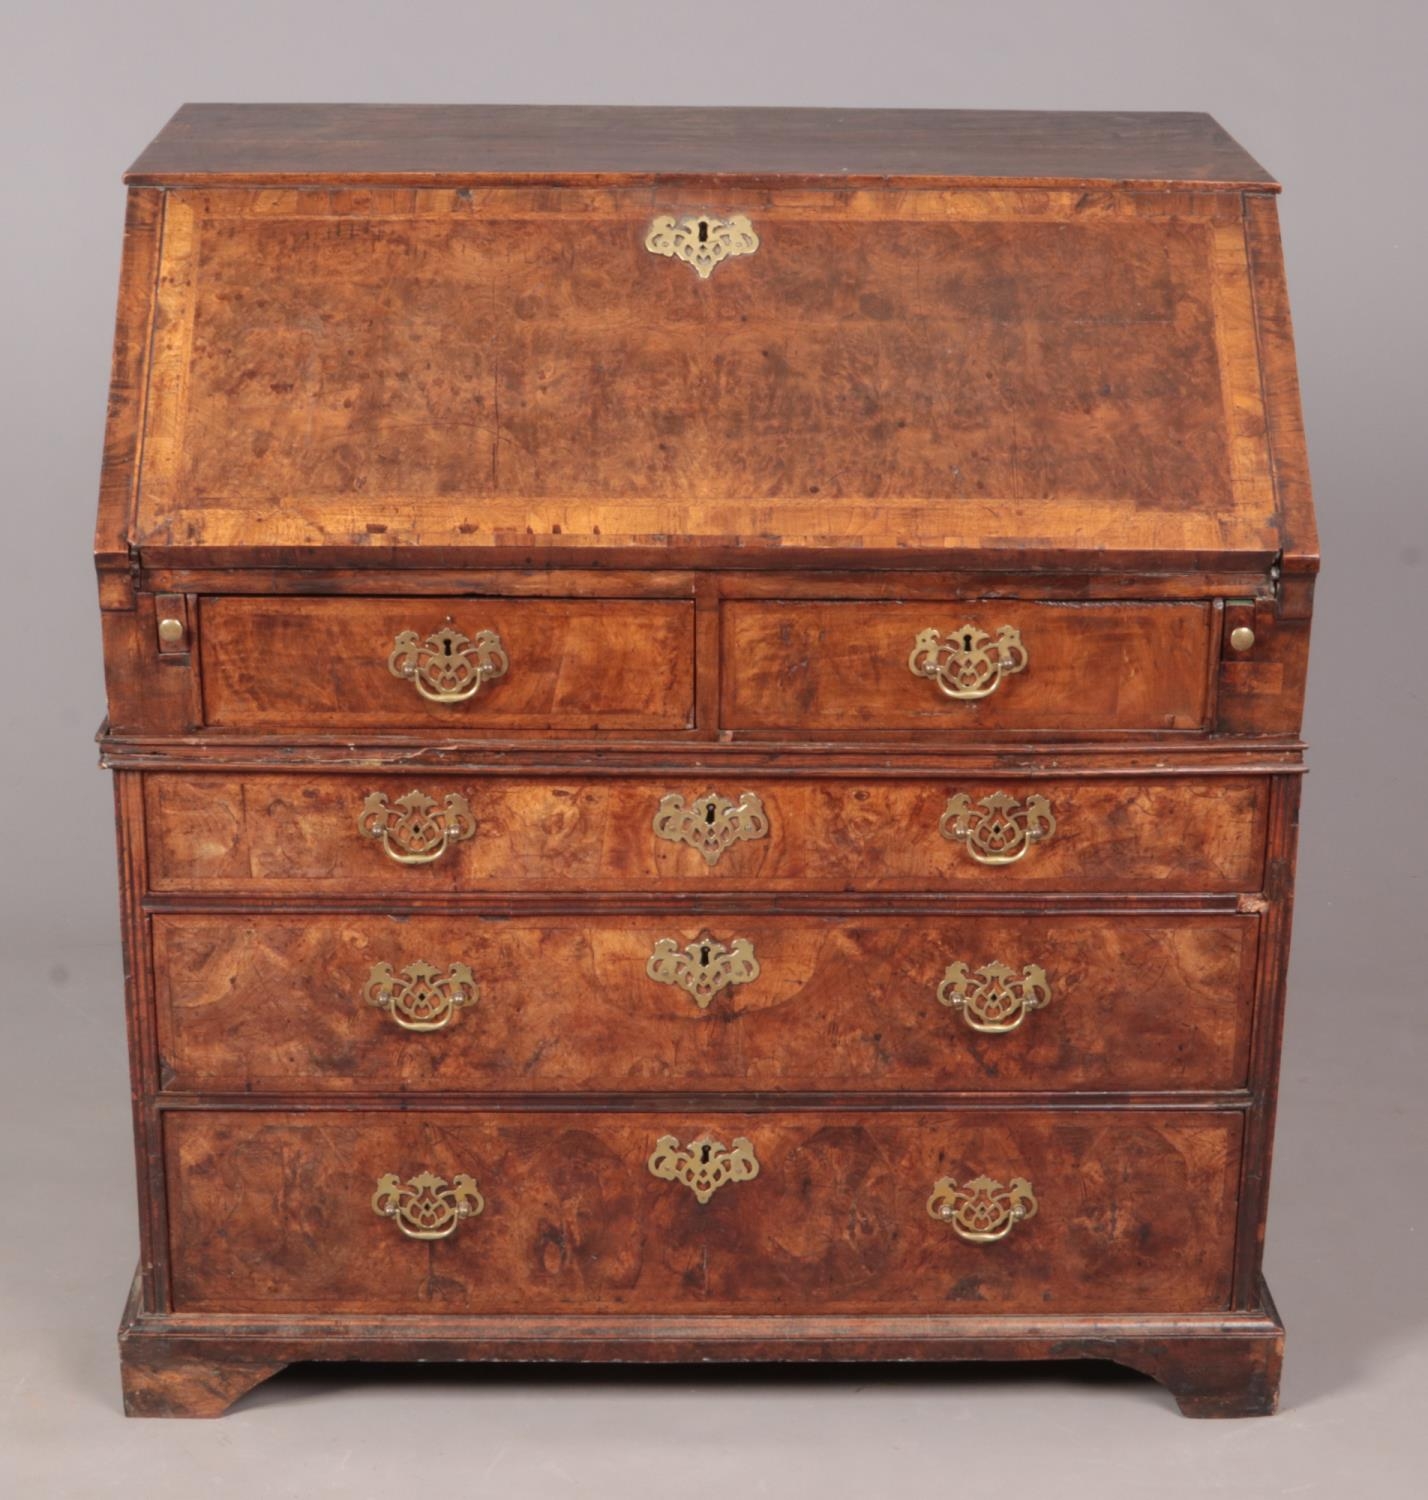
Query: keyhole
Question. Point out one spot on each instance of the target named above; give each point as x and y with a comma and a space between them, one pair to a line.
446, 648
704, 955
709, 815
704, 231
967, 642
704, 1155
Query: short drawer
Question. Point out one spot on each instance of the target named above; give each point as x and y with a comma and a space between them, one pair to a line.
1008, 665
737, 1002
666, 1212
390, 831
474, 664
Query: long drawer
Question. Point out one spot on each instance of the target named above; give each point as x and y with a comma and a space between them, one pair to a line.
385, 831
259, 1003
966, 667
1109, 1211
449, 665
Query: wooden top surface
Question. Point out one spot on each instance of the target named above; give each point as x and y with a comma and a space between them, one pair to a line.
421, 143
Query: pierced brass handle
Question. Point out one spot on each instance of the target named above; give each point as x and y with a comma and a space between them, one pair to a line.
423, 999
448, 667
701, 240
996, 1001
703, 968
711, 823
982, 1211
966, 663
425, 1207
704, 1165
414, 831
1003, 831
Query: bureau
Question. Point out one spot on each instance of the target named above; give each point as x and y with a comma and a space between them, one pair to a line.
704, 708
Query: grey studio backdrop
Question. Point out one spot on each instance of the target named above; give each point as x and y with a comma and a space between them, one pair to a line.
1331, 98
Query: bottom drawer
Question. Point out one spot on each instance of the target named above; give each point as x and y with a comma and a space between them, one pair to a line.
1115, 1211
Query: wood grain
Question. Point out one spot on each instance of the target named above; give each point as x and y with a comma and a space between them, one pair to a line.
323, 663
273, 1211
1072, 375
128, 375
290, 834
844, 667
378, 143
1262, 691
275, 1003
1281, 381
1214, 1364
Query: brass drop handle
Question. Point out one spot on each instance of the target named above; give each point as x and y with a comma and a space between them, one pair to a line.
967, 663
426, 1207
995, 1001
448, 667
704, 968
423, 999
999, 830
982, 1211
414, 830
705, 1164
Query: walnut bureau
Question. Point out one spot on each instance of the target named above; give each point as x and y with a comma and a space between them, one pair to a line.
705, 712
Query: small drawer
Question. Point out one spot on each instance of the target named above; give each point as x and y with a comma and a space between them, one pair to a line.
982, 666
461, 665
677, 1003
398, 831
1112, 1211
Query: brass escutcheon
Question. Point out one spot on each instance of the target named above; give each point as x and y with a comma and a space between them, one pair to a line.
982, 1210
996, 1001
703, 968
414, 831
448, 667
1003, 831
702, 240
704, 1165
425, 1207
711, 823
423, 999
966, 663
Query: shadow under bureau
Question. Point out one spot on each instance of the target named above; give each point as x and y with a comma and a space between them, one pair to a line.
705, 713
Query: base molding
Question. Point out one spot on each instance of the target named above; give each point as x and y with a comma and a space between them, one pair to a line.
198, 1365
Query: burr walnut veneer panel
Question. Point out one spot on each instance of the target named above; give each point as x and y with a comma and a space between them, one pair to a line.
845, 667
273, 1212
294, 833
262, 1004
514, 369
572, 664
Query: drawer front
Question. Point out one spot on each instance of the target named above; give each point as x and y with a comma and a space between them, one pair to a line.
957, 666
672, 1002
349, 834
1111, 1211
473, 664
